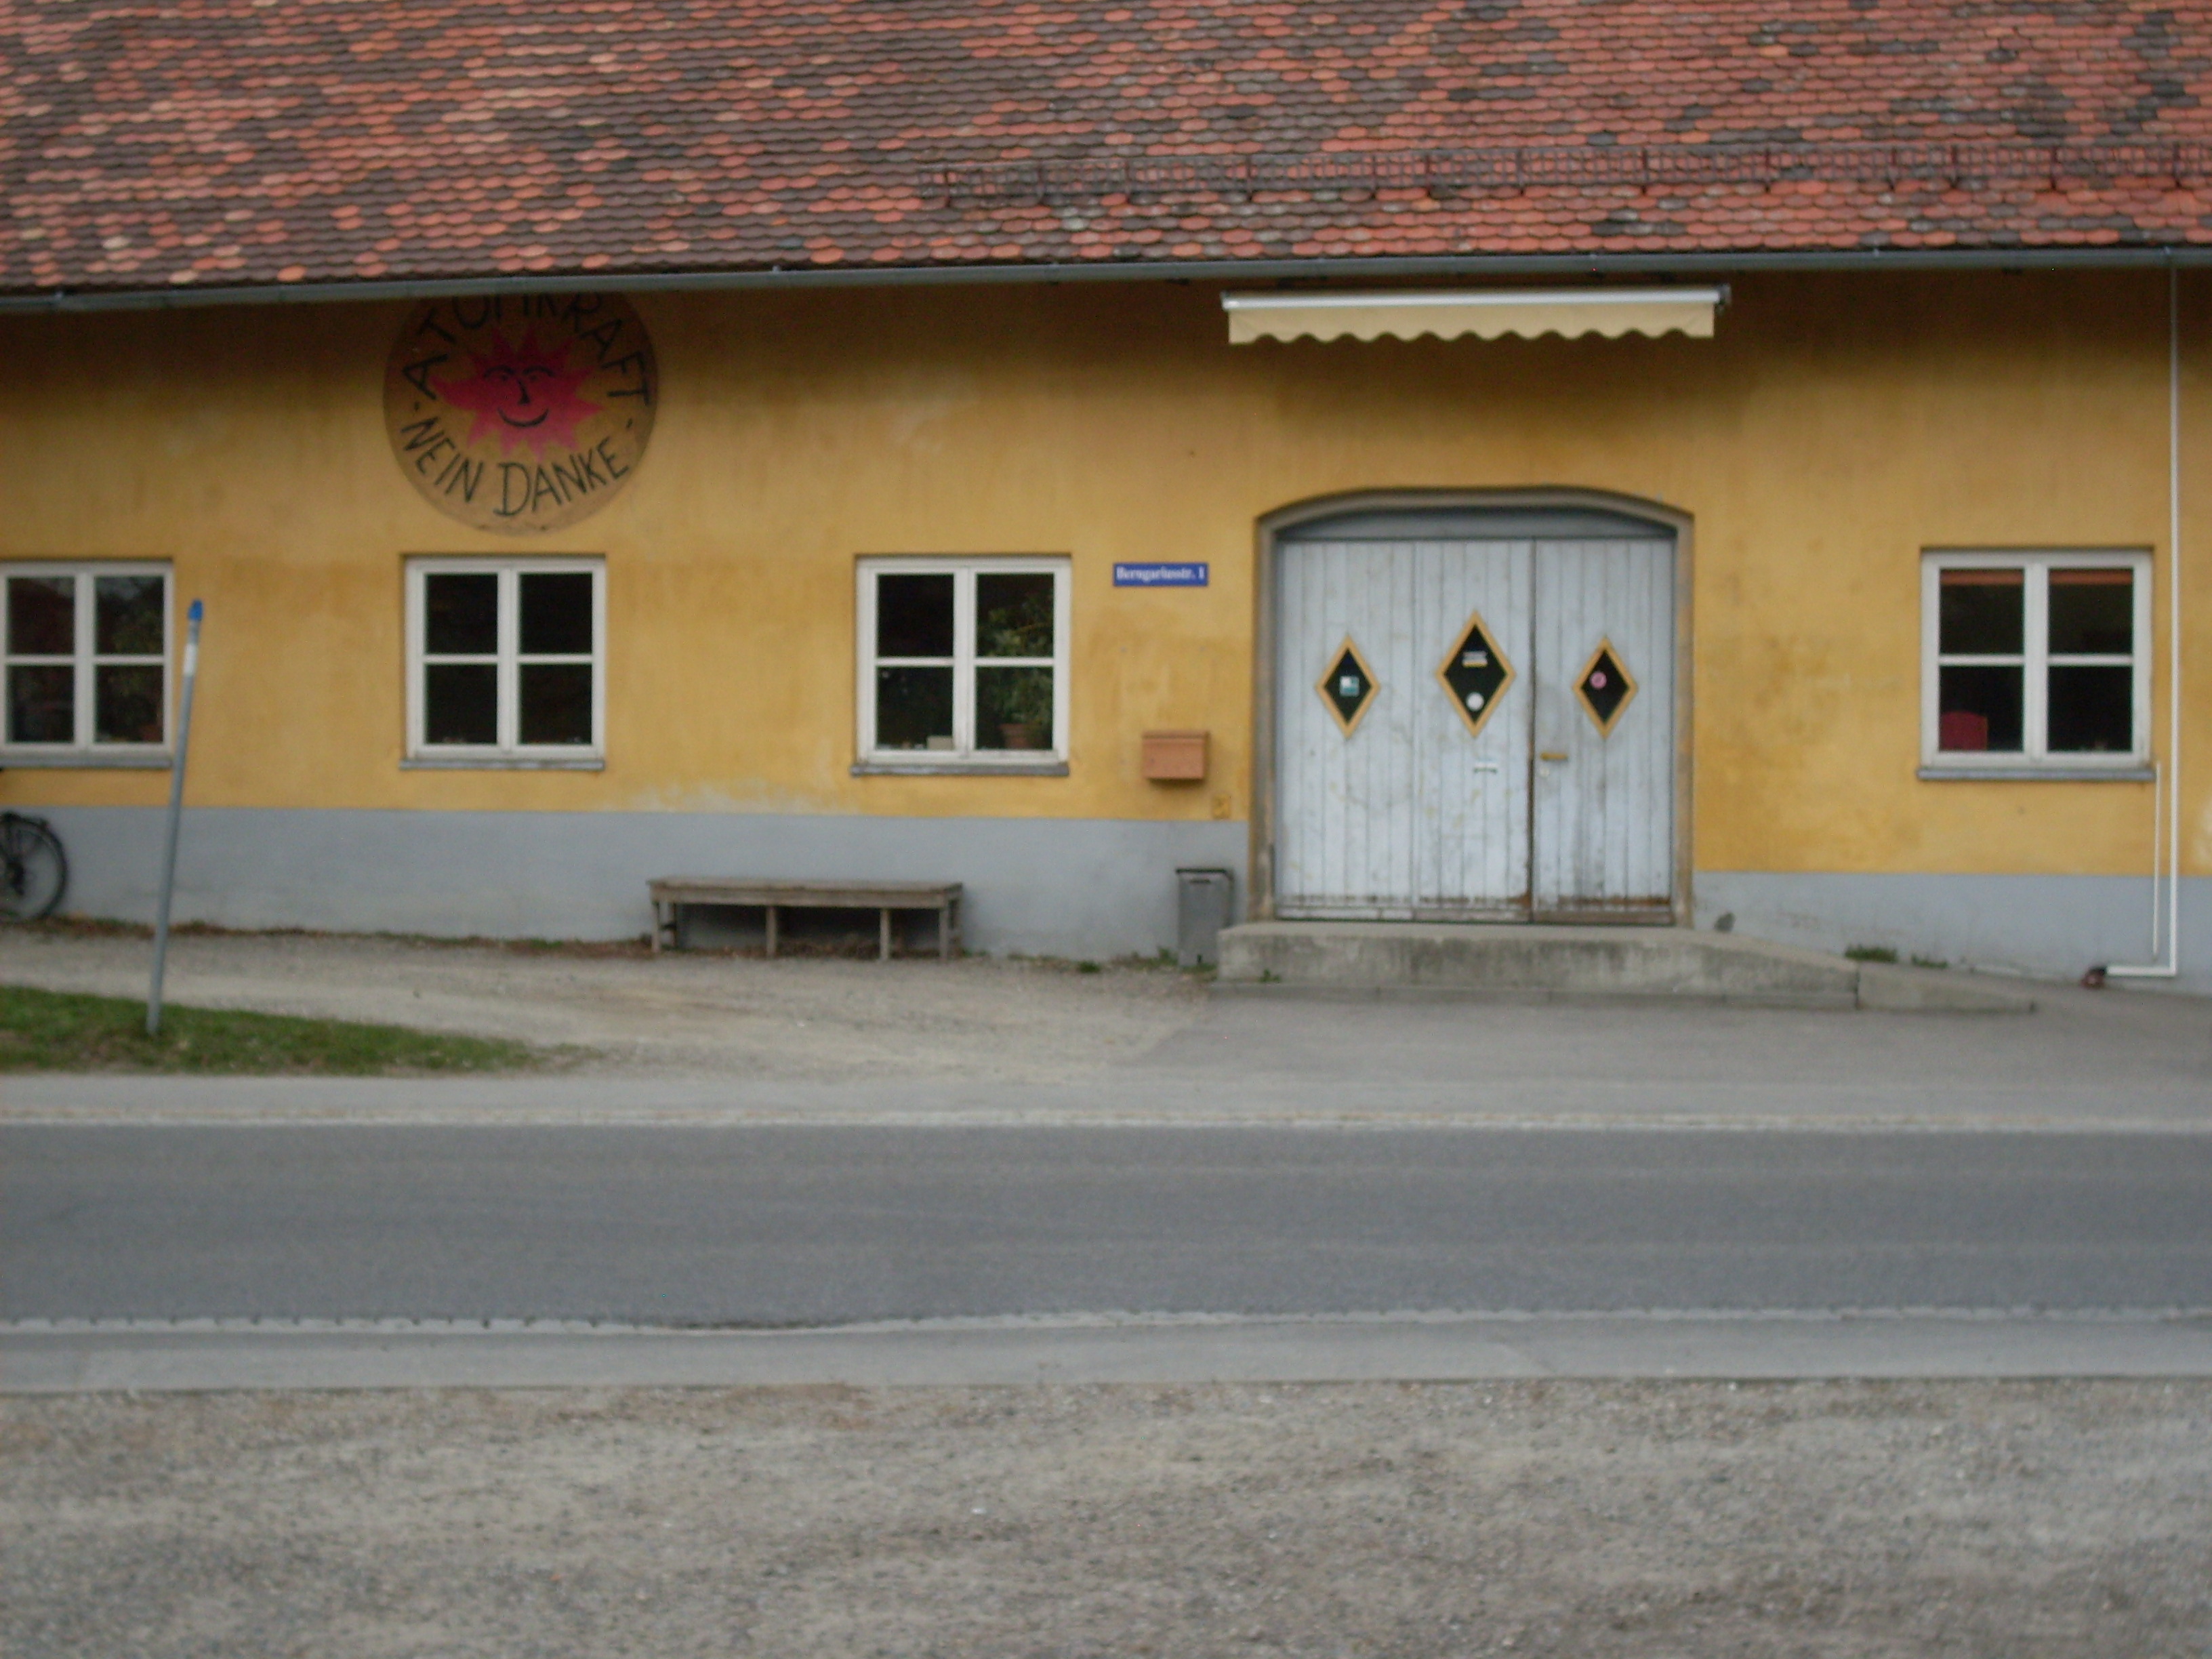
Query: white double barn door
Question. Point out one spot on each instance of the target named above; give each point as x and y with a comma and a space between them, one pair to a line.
1397, 806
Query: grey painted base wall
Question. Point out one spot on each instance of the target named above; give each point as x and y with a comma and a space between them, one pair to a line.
1085, 887
2056, 926
1080, 887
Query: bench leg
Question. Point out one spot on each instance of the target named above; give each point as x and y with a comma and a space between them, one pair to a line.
771, 930
944, 932
886, 935
656, 927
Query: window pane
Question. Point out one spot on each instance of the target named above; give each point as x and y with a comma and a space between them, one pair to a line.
1013, 708
2091, 711
557, 703
42, 615
127, 616
1978, 709
914, 707
2093, 611
126, 704
460, 616
1013, 616
42, 705
914, 616
460, 702
557, 616
1981, 613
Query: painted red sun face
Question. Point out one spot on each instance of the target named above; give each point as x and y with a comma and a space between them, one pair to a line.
526, 393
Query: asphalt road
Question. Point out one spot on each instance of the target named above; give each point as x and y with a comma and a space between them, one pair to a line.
780, 1225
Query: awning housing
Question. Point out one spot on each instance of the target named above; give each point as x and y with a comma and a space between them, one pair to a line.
1487, 315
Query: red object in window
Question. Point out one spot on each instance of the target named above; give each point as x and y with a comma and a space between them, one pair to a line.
1960, 730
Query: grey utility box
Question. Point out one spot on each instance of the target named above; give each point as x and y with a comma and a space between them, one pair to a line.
1202, 911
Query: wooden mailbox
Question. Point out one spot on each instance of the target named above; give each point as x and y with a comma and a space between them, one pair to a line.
1174, 756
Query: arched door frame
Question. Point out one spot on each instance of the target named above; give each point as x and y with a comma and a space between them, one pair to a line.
1260, 898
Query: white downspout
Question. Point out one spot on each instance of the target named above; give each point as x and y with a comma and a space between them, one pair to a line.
2170, 774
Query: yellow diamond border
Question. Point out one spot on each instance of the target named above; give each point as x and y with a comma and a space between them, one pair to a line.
1476, 722
1604, 648
1374, 686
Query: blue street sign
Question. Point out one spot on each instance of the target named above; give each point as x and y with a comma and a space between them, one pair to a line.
1159, 576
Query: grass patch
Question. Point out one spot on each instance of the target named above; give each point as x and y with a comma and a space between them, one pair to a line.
1163, 960
63, 1031
1870, 953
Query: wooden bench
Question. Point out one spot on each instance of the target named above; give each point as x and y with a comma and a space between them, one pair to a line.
671, 893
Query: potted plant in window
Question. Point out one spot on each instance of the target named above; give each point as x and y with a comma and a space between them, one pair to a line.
1015, 622
1024, 708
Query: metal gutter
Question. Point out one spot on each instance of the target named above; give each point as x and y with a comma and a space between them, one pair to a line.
1164, 270
2168, 783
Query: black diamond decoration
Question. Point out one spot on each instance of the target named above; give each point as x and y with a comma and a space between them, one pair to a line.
1605, 688
1476, 673
1348, 687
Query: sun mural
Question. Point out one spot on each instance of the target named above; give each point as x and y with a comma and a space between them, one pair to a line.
520, 413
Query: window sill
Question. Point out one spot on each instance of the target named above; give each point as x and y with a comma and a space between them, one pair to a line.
82, 760
963, 766
503, 763
2037, 775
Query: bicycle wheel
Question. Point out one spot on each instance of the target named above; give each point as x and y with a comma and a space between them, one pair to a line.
32, 870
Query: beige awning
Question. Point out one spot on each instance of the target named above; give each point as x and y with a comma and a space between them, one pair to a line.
1487, 315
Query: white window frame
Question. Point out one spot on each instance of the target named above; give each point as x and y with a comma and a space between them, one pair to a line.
963, 756
86, 749
2034, 758
508, 752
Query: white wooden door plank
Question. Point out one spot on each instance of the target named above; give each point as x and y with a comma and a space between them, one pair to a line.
1604, 816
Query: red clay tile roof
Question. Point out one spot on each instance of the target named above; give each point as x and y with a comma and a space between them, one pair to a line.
147, 143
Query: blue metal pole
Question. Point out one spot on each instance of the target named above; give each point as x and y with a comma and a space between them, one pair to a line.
176, 817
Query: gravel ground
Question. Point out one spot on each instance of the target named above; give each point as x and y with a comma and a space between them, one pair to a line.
796, 1017
2013, 1519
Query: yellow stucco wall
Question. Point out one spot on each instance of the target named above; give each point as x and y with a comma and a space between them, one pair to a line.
1835, 426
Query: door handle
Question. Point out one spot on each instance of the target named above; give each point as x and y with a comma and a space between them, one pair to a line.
1485, 766
1552, 755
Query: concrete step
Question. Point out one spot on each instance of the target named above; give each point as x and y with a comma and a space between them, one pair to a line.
1570, 962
